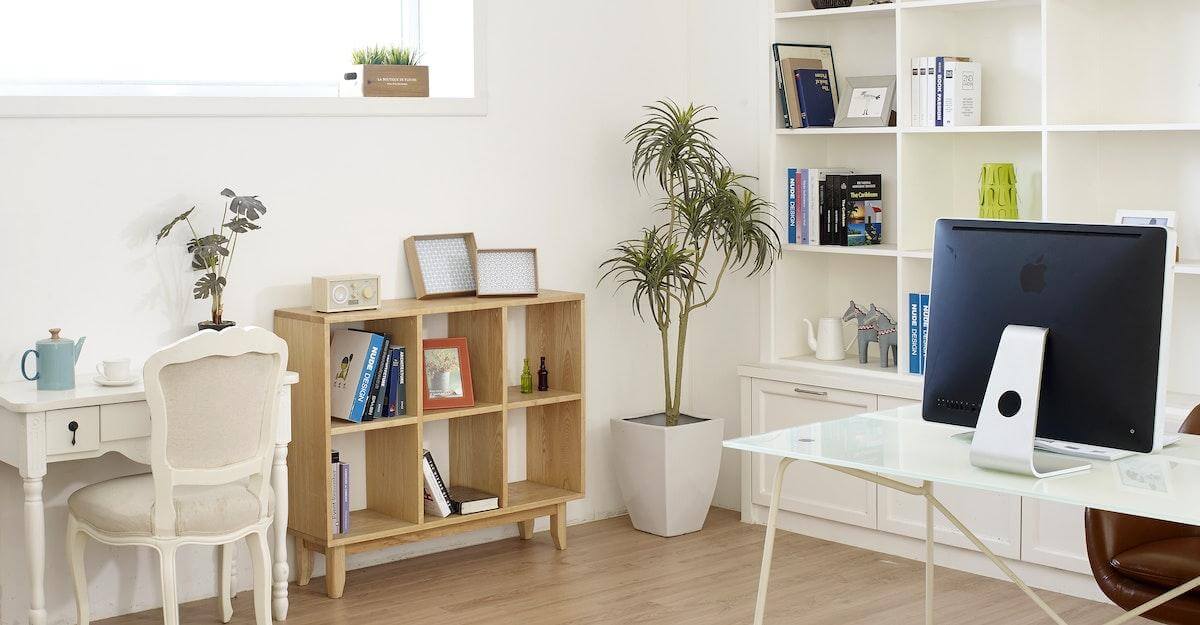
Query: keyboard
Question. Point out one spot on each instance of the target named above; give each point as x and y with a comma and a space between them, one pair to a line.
1079, 450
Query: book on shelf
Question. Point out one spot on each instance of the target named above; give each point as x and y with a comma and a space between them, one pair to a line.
918, 332
338, 517
924, 329
467, 500
395, 386
437, 497
862, 213
964, 93
816, 98
790, 57
793, 117
354, 358
344, 495
791, 204
945, 91
381, 378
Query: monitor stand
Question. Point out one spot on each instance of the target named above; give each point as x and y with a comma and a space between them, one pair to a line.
1008, 419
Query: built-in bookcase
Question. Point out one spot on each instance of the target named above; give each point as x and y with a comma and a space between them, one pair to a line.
1095, 102
472, 444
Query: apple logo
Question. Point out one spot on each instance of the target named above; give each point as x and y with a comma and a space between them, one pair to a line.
1033, 276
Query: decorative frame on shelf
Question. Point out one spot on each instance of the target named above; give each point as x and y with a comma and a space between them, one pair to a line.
451, 358
869, 102
441, 265
506, 271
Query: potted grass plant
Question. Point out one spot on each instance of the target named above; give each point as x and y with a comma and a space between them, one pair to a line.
712, 226
212, 253
387, 71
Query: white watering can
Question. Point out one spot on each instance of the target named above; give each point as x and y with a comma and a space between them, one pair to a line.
827, 342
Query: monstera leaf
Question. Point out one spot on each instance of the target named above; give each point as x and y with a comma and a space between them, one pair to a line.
241, 225
209, 284
167, 228
206, 249
247, 206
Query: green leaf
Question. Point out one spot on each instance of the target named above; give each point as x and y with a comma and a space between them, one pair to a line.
248, 206
167, 228
241, 225
227, 192
206, 251
209, 284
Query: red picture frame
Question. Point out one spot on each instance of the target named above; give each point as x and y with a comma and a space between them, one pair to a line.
446, 374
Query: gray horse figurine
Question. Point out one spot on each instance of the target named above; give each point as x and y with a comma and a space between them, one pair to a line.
885, 332
866, 330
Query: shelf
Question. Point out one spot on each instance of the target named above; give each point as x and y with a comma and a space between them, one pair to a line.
338, 427
926, 254
848, 366
393, 308
887, 249
828, 130
955, 130
1165, 127
1188, 267
537, 398
839, 13
480, 407
526, 494
933, 4
368, 524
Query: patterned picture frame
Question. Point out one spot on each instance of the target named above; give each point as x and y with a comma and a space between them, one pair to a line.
506, 271
441, 265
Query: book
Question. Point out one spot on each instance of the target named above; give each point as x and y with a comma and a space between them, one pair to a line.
344, 495
914, 93
335, 493
354, 356
437, 497
793, 118
467, 500
938, 85
381, 379
924, 330
914, 333
945, 69
802, 206
825, 209
817, 108
930, 69
964, 93
816, 199
396, 390
791, 204
862, 212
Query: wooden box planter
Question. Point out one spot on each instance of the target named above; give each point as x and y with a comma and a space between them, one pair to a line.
389, 81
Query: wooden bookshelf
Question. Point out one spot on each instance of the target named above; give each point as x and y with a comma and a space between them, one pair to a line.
394, 512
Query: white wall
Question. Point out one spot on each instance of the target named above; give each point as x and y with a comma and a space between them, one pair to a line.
80, 201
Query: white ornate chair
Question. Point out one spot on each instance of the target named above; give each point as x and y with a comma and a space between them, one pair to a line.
213, 398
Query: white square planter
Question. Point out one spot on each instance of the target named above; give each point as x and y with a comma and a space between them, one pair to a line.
668, 475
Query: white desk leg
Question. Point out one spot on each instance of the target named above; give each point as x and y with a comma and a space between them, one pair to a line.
769, 543
35, 548
279, 482
928, 557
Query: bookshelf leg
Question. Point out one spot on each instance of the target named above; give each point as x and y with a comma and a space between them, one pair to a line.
526, 529
558, 526
304, 563
335, 572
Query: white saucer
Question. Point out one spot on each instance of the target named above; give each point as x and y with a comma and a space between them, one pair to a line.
103, 381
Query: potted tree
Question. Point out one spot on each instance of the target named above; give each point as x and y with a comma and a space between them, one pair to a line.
212, 253
714, 225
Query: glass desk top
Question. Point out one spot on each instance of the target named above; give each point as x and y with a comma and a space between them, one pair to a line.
898, 443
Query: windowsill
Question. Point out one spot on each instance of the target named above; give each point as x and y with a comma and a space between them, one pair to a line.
179, 106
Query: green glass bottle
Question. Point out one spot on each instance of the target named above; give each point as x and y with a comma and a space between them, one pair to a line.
526, 379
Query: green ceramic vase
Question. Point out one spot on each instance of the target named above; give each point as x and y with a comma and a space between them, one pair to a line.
998, 191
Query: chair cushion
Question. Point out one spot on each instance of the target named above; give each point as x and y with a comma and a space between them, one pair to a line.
1167, 563
125, 506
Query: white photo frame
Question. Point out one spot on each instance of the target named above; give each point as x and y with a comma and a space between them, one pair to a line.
1166, 219
441, 265
867, 101
507, 271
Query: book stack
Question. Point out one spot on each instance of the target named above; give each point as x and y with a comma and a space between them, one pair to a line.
945, 91
442, 501
807, 84
339, 494
834, 207
367, 376
918, 331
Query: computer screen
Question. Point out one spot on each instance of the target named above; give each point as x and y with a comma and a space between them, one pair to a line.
1104, 293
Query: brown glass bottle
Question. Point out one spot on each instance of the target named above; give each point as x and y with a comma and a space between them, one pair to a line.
543, 376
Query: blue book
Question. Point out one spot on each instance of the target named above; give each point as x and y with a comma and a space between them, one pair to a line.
395, 402
816, 97
914, 333
924, 329
791, 204
354, 358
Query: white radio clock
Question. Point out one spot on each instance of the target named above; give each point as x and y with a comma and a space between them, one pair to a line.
343, 293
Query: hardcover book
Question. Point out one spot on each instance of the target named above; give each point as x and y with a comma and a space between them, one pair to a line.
466, 500
862, 210
344, 495
396, 390
914, 333
354, 357
791, 96
437, 498
817, 108
335, 493
964, 93
924, 329
791, 204
381, 379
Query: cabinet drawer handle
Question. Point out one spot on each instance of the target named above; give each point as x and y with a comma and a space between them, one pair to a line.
73, 426
813, 393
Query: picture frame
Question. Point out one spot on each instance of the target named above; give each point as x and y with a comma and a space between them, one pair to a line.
814, 51
1167, 219
446, 374
506, 272
441, 265
868, 102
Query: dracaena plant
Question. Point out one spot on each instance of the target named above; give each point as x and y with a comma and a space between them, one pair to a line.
212, 253
713, 225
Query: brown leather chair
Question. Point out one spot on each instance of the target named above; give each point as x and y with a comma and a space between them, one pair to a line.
1136, 559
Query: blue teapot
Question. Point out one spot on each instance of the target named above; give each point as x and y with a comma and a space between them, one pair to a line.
55, 358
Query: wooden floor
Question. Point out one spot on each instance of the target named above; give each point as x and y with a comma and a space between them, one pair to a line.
612, 573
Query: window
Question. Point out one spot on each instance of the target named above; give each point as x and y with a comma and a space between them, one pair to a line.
227, 48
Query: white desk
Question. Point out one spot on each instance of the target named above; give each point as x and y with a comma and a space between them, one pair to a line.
34, 433
898, 443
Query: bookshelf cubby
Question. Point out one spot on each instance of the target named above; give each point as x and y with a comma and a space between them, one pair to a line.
477, 437
1083, 145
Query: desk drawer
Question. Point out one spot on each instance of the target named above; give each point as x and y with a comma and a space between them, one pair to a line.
120, 422
63, 438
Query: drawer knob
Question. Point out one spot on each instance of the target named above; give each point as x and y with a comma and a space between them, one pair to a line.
804, 391
73, 426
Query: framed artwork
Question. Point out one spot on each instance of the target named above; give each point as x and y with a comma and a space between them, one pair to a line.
441, 265
511, 271
446, 373
1165, 219
813, 51
868, 102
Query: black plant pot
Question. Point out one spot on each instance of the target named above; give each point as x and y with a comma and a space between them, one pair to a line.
208, 325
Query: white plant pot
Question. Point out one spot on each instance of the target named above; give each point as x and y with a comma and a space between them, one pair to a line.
668, 475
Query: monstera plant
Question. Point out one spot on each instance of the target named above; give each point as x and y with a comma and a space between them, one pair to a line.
713, 225
212, 253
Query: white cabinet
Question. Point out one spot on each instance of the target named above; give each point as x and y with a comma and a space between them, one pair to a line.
1052, 534
808, 488
995, 519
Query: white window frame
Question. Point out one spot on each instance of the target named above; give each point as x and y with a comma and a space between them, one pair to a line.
186, 106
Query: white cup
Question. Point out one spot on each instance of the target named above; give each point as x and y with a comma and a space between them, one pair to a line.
115, 370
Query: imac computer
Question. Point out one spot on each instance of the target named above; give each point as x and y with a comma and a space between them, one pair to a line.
1049, 331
